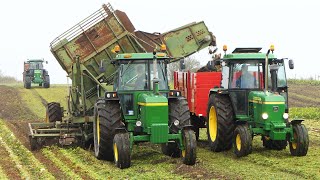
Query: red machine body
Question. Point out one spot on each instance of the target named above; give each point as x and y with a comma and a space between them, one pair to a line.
195, 87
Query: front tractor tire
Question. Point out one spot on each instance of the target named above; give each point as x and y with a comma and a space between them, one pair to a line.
107, 120
189, 154
300, 144
53, 112
178, 111
220, 123
121, 150
242, 140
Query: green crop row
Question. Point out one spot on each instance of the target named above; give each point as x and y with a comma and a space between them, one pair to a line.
27, 164
305, 113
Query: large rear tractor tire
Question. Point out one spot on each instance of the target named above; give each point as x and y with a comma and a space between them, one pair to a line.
107, 120
274, 144
53, 112
27, 82
242, 140
178, 111
121, 150
189, 154
300, 145
220, 123
46, 83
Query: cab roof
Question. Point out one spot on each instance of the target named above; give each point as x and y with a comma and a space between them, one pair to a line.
247, 53
35, 60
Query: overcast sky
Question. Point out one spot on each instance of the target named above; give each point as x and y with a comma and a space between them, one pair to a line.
28, 27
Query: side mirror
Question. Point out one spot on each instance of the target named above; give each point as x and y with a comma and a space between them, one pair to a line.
291, 64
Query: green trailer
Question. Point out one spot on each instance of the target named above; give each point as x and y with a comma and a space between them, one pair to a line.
34, 73
253, 101
102, 110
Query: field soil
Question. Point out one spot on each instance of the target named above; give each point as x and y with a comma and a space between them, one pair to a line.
19, 106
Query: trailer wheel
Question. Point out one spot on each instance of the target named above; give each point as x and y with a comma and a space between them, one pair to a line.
121, 150
107, 120
274, 144
242, 140
53, 112
300, 144
27, 82
220, 123
178, 111
46, 83
189, 154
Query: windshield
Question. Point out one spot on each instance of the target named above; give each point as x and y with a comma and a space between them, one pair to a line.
134, 75
246, 75
35, 65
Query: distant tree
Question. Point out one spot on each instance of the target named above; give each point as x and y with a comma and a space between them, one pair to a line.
191, 64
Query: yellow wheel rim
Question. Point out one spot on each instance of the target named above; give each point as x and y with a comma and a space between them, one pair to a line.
183, 152
294, 144
115, 151
213, 125
98, 129
238, 142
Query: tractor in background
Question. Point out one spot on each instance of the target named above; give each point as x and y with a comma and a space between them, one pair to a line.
34, 73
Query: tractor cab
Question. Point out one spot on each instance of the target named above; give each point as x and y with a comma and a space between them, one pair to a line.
141, 77
244, 71
35, 64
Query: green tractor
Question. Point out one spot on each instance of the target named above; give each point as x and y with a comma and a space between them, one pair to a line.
142, 109
35, 73
253, 100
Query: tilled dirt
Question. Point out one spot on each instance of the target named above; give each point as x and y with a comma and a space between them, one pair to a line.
303, 95
17, 117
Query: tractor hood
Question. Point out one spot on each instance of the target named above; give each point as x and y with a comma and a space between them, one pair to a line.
266, 98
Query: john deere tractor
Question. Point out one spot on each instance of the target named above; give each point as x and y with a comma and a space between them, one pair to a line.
35, 73
142, 109
253, 100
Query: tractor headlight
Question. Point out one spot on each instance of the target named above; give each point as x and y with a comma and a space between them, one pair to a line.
176, 123
108, 95
285, 115
265, 116
138, 123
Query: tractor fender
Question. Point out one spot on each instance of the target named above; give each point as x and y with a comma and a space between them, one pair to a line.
296, 121
218, 91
